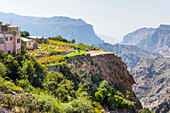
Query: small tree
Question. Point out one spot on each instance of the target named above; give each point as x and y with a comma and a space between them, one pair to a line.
23, 48
73, 41
12, 66
145, 110
101, 95
24, 33
28, 70
2, 69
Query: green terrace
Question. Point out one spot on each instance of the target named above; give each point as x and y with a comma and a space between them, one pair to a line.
54, 50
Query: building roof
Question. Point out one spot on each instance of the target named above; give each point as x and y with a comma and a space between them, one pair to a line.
12, 26
26, 39
34, 37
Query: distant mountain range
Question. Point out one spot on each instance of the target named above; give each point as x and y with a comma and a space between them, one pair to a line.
152, 76
152, 87
108, 39
64, 26
129, 53
155, 40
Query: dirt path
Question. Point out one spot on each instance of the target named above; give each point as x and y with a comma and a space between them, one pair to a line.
95, 53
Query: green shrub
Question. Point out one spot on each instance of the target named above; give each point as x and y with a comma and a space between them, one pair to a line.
104, 84
2, 69
145, 110
83, 47
119, 102
76, 46
82, 105
24, 83
55, 52
59, 38
104, 50
51, 60
98, 107
6, 85
25, 103
74, 54
24, 33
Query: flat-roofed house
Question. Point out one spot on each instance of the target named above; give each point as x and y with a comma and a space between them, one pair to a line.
10, 39
30, 43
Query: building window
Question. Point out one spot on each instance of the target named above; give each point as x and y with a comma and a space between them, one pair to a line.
18, 40
29, 43
11, 38
1, 40
6, 38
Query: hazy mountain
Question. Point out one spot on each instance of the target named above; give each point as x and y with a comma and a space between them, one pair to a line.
152, 87
155, 40
134, 38
129, 54
66, 27
108, 39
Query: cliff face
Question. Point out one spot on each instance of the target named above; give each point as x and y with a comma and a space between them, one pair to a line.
109, 67
138, 35
158, 41
152, 87
155, 40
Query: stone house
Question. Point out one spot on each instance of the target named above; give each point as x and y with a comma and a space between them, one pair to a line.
10, 39
29, 43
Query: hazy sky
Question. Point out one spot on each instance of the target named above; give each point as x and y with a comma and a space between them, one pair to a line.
109, 17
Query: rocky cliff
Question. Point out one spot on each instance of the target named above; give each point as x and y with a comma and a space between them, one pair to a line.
155, 40
152, 86
66, 27
109, 67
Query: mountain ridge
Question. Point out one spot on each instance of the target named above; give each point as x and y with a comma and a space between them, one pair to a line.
66, 27
131, 38
150, 39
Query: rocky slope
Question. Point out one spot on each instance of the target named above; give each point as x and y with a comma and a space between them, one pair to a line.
152, 87
155, 40
129, 54
135, 37
109, 67
66, 27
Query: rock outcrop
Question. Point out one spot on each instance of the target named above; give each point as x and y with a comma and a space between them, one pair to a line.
152, 86
109, 67
155, 40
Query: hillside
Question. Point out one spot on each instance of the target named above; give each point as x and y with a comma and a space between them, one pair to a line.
62, 77
152, 87
135, 37
154, 40
64, 26
129, 54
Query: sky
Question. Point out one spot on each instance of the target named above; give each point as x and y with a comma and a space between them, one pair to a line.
114, 18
